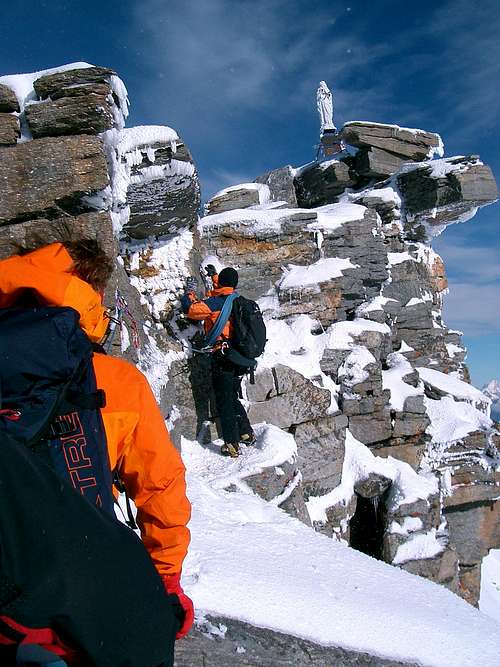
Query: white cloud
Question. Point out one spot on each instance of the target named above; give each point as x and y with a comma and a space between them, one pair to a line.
210, 61
473, 308
477, 264
470, 63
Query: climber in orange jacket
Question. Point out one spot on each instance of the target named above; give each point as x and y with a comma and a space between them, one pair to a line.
226, 376
139, 446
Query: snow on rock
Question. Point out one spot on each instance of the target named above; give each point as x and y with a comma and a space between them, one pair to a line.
411, 524
377, 303
392, 379
352, 370
314, 274
452, 420
359, 462
332, 216
22, 84
424, 545
294, 345
273, 448
257, 221
385, 195
158, 172
261, 188
144, 136
165, 268
155, 364
404, 347
399, 257
244, 549
454, 387
262, 219
489, 601
342, 335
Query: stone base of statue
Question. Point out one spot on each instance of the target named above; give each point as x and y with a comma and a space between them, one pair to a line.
330, 142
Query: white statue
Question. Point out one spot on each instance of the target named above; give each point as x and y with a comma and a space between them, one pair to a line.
325, 107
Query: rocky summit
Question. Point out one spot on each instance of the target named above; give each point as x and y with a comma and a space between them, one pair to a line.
395, 451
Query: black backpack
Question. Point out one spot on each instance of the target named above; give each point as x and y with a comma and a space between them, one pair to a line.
249, 330
66, 562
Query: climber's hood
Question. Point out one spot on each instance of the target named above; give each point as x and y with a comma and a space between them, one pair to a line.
47, 273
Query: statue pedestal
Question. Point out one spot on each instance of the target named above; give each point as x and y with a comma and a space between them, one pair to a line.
330, 142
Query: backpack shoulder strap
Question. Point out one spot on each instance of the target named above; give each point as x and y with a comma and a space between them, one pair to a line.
221, 320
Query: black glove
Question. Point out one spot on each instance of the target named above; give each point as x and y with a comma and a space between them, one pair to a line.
191, 284
211, 270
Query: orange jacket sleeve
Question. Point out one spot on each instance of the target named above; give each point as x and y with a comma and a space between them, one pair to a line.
149, 465
198, 310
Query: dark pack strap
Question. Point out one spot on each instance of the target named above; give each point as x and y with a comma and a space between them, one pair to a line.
221, 321
90, 401
236, 358
120, 486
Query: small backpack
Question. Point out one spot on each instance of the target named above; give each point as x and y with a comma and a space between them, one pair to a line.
249, 330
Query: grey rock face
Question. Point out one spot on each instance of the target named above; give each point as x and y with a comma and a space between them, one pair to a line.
372, 486
48, 177
297, 400
53, 85
259, 258
281, 185
361, 242
435, 198
473, 531
88, 114
9, 129
87, 225
320, 453
164, 193
319, 301
282, 486
322, 183
442, 569
376, 163
245, 645
387, 208
412, 145
371, 428
8, 99
237, 197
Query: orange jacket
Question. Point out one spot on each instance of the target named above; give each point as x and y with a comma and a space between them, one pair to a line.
208, 310
138, 442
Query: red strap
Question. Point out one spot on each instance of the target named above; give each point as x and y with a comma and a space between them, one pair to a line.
11, 415
44, 637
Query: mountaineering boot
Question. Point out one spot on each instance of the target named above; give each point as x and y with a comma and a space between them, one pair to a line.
230, 449
248, 439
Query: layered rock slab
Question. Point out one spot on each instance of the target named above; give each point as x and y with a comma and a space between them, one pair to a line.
9, 129
8, 99
442, 192
244, 645
49, 177
162, 187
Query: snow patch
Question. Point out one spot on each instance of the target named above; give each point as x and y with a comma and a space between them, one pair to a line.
425, 545
314, 274
392, 379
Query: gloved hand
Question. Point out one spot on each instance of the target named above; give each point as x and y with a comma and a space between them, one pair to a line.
172, 583
211, 270
191, 284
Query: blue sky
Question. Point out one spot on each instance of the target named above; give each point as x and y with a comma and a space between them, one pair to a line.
237, 80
